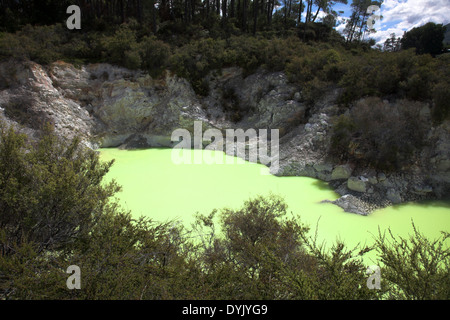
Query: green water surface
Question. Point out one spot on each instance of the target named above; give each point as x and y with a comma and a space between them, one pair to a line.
154, 186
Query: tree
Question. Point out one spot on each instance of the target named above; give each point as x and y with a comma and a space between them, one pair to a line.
325, 5
301, 8
357, 23
36, 12
426, 39
392, 44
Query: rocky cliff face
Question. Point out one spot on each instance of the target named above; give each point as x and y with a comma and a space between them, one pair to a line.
114, 107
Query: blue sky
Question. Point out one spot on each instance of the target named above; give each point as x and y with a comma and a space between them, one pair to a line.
403, 15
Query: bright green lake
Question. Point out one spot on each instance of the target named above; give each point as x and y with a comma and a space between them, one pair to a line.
156, 187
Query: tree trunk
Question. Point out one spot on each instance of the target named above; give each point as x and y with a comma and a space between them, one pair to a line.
153, 17
122, 11
307, 18
239, 11
362, 24
299, 20
310, 10
255, 15
244, 15
139, 10
269, 5
317, 12
290, 8
224, 11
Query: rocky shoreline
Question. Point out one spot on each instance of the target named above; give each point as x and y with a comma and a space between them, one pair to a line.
108, 106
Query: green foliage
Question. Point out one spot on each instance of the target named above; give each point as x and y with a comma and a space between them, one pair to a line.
339, 274
121, 258
29, 275
193, 52
298, 70
428, 38
314, 90
50, 192
441, 98
315, 70
417, 268
379, 135
154, 54
316, 32
194, 61
402, 74
40, 44
133, 259
250, 52
341, 139
271, 256
258, 239
121, 48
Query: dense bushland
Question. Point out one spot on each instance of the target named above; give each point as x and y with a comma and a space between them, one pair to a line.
366, 135
314, 66
50, 191
193, 38
56, 211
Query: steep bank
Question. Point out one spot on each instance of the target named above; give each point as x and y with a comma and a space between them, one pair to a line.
110, 106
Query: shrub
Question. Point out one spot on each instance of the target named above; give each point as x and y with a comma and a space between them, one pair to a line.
313, 90
195, 60
50, 192
132, 60
415, 268
118, 48
343, 130
386, 80
154, 54
251, 52
20, 109
422, 78
276, 55
380, 135
266, 253
40, 44
441, 99
299, 70
355, 80
259, 240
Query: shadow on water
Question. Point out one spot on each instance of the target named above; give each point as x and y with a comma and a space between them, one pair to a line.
141, 149
444, 204
322, 185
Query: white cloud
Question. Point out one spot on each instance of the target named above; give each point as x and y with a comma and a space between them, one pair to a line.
320, 15
403, 15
